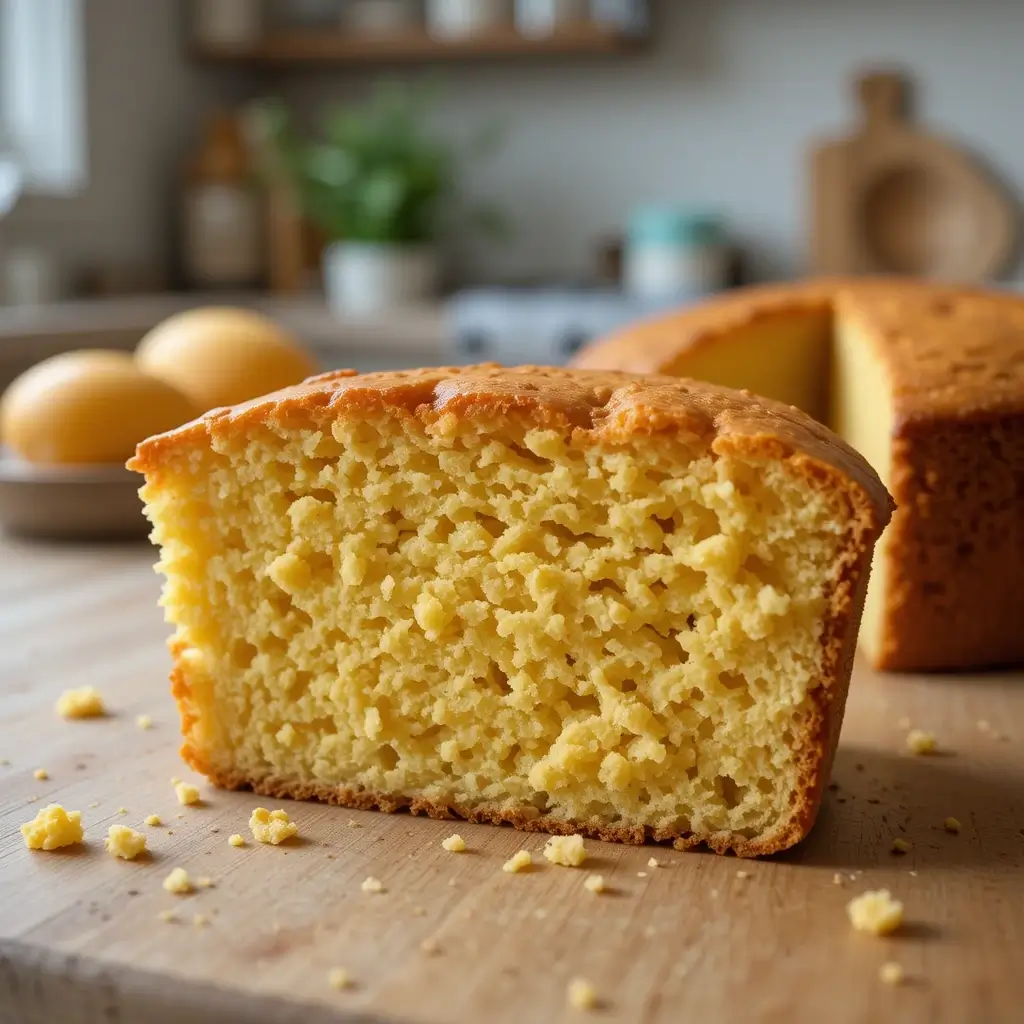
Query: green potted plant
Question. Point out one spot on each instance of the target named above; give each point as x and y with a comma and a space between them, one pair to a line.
382, 188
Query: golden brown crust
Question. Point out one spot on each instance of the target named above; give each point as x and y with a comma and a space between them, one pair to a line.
595, 406
606, 407
955, 548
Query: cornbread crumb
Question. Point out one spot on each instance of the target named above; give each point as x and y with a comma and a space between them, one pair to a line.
419, 911
338, 978
837, 879
641, 874
454, 843
901, 845
653, 863
742, 874
178, 882
153, 819
95, 803
52, 828
124, 842
430, 947
518, 862
122, 810
85, 702
41, 774
951, 824
913, 874
204, 882
352, 823
568, 851
186, 793
272, 827
372, 884
167, 916
876, 912
175, 780
891, 973
236, 840
921, 742
595, 883
581, 994
200, 920
540, 913
144, 722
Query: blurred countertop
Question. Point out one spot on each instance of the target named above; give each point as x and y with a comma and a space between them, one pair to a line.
414, 336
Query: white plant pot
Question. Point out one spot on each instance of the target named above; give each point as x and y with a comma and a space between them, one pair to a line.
463, 19
381, 17
537, 18
363, 277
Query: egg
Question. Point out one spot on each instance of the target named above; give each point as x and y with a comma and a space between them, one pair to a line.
88, 406
220, 356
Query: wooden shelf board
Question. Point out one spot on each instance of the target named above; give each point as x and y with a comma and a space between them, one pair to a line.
299, 47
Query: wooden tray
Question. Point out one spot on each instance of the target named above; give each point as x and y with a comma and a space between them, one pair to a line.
70, 502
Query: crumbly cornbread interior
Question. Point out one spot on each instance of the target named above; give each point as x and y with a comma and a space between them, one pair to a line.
499, 615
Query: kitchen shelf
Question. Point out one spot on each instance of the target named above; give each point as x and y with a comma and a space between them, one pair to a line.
333, 47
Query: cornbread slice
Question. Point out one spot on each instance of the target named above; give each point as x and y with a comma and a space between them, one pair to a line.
927, 382
578, 602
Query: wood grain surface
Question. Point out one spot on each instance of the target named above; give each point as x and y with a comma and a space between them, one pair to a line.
453, 938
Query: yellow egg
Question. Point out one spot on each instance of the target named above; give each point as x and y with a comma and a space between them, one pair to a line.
88, 406
221, 356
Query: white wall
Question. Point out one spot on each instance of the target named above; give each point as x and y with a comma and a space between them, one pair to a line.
719, 111
144, 101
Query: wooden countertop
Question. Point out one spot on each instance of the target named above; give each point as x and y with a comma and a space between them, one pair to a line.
81, 940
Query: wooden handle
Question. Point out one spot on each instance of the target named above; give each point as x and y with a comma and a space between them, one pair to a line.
883, 96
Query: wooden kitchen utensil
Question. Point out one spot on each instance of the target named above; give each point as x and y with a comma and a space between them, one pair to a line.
890, 198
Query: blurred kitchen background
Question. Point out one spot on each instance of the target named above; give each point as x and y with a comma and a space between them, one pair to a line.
610, 157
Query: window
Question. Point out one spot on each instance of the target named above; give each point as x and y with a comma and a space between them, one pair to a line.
42, 81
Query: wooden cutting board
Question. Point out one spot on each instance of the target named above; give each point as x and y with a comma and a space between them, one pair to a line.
889, 198
453, 938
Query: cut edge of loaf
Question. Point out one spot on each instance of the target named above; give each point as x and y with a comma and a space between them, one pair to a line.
943, 593
737, 422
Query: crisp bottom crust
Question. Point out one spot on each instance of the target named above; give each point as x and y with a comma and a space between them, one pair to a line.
790, 831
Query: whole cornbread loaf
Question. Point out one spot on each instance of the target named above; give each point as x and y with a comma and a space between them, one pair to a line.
927, 382
577, 602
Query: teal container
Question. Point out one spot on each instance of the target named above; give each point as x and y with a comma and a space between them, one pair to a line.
674, 252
